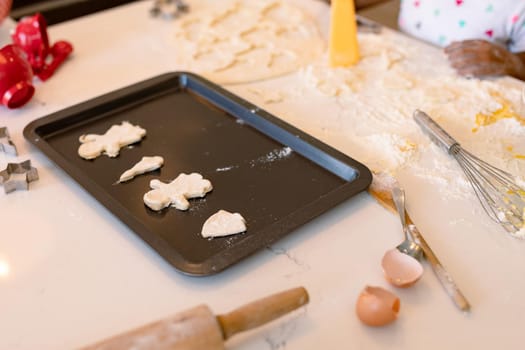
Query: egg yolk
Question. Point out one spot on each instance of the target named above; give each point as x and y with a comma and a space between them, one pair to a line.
506, 111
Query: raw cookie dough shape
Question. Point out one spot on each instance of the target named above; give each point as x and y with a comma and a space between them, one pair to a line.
177, 192
111, 142
239, 41
145, 165
223, 223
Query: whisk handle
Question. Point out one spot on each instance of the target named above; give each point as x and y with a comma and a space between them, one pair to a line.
435, 131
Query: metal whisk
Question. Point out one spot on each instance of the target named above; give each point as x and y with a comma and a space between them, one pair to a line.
502, 199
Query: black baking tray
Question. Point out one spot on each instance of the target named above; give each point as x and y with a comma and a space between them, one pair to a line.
275, 175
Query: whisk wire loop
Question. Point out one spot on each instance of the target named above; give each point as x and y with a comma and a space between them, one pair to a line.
501, 198
494, 188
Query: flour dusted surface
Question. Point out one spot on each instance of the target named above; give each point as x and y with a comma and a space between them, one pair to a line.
366, 112
233, 41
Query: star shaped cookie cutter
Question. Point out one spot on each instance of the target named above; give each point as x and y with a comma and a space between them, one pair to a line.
6, 145
17, 176
169, 9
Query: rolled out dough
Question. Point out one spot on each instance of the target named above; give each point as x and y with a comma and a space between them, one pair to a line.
238, 41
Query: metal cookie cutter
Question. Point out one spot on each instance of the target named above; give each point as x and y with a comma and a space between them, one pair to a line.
169, 9
17, 176
6, 145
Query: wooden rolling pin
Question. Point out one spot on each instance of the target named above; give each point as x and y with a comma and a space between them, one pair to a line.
198, 328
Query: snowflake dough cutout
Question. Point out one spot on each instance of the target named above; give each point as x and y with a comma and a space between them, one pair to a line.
177, 192
110, 143
145, 165
223, 223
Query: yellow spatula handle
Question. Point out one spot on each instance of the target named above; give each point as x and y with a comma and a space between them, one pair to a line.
344, 48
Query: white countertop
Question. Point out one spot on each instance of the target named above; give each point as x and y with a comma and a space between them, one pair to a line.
71, 273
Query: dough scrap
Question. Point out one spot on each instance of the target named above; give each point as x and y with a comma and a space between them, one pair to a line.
110, 143
268, 96
238, 41
223, 223
177, 192
145, 165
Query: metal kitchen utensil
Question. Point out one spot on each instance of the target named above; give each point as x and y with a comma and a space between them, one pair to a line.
408, 246
443, 276
169, 9
384, 197
6, 145
281, 177
501, 198
17, 176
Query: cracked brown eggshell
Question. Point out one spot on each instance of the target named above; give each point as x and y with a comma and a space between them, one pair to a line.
400, 269
377, 306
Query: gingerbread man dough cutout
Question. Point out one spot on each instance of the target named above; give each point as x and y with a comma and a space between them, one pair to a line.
177, 192
111, 142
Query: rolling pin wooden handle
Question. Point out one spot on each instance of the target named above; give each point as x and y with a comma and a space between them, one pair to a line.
198, 328
262, 311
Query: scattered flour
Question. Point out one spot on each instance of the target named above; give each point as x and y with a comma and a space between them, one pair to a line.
276, 154
520, 182
227, 168
520, 234
366, 110
391, 151
372, 118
